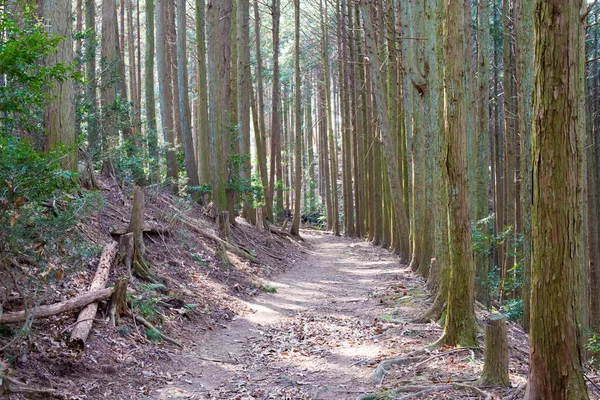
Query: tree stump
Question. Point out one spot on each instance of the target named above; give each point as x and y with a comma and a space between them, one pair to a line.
260, 222
262, 225
136, 224
118, 302
126, 250
495, 367
224, 225
136, 227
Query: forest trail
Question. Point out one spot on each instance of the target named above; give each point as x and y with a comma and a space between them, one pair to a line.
311, 339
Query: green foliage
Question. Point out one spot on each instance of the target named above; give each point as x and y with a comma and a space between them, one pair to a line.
149, 300
484, 243
267, 288
154, 335
24, 45
201, 261
39, 205
248, 189
593, 347
513, 309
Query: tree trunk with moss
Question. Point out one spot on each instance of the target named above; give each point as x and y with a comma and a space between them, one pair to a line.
165, 91
219, 36
524, 55
461, 326
495, 367
59, 114
390, 147
555, 364
295, 230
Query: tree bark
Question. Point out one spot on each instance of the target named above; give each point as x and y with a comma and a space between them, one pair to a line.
295, 229
461, 327
495, 367
165, 90
86, 316
219, 36
58, 308
555, 353
389, 146
189, 151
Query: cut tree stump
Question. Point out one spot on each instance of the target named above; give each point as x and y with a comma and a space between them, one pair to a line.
126, 250
224, 225
58, 308
495, 367
261, 222
136, 226
86, 316
118, 302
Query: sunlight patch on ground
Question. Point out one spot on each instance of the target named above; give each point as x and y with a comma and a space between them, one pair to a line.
263, 314
370, 271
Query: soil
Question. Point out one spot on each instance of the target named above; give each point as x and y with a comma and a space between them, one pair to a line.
312, 319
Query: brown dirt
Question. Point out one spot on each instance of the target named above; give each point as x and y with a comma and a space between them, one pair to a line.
341, 307
324, 332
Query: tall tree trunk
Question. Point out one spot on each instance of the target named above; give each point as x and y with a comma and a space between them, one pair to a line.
295, 230
59, 114
482, 143
461, 326
243, 99
261, 147
525, 36
276, 168
389, 145
219, 36
165, 91
152, 130
90, 75
334, 219
191, 168
204, 162
510, 131
133, 82
110, 70
555, 354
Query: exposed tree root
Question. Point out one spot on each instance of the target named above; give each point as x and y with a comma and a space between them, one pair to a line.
445, 353
159, 333
516, 392
417, 392
433, 313
380, 371
10, 385
230, 247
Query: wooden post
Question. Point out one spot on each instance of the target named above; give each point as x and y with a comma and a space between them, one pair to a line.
495, 367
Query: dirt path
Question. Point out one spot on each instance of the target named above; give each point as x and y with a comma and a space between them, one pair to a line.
311, 339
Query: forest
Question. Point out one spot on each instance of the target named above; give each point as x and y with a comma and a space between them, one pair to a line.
300, 199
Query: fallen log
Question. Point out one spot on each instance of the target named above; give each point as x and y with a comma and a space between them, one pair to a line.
58, 308
154, 229
86, 316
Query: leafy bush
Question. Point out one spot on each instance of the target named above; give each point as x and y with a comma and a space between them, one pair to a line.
484, 243
24, 44
593, 346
